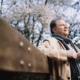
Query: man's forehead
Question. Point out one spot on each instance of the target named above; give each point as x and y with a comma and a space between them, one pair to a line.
60, 22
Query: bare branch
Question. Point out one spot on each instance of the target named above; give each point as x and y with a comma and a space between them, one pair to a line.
46, 1
39, 38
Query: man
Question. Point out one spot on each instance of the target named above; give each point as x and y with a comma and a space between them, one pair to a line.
60, 49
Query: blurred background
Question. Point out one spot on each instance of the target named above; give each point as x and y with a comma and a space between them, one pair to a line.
32, 17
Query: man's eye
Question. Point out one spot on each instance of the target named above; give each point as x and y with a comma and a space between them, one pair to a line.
61, 25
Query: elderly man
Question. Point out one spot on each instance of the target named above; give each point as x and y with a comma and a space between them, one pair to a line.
60, 49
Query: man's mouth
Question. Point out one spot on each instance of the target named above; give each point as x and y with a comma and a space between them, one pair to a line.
65, 30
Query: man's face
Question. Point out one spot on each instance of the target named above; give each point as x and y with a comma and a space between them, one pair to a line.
61, 28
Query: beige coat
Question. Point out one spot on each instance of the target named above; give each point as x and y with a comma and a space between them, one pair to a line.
57, 52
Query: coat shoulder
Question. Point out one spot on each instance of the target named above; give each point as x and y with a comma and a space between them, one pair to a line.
52, 39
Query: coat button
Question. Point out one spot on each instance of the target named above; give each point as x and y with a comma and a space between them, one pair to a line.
68, 78
59, 78
64, 62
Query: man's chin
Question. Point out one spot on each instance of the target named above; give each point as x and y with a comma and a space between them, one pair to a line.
66, 35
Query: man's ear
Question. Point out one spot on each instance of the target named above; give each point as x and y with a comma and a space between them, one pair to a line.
54, 30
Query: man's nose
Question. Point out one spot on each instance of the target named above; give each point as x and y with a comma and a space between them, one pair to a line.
66, 26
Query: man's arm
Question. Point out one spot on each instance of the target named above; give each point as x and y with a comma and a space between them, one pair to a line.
53, 53
56, 53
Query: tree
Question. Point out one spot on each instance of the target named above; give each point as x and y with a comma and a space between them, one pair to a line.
28, 18
32, 17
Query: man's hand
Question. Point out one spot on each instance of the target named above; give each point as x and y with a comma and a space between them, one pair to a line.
72, 54
78, 55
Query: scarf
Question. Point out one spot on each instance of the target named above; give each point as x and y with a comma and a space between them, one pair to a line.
64, 41
75, 73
